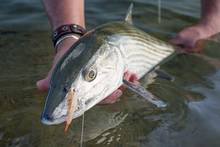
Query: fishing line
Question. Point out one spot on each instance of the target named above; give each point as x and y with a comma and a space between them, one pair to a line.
82, 130
159, 11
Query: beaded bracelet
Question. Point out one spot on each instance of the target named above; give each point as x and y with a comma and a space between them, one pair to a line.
66, 30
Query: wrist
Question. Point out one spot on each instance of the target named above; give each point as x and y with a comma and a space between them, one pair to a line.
209, 27
65, 44
66, 35
57, 25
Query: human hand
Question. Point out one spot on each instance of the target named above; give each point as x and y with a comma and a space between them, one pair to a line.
62, 48
192, 39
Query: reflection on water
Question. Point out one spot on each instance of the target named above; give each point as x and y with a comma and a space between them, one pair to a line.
200, 125
191, 118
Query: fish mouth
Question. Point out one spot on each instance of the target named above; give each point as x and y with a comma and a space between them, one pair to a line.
52, 121
49, 118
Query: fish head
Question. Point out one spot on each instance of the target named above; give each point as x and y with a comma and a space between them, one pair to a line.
93, 69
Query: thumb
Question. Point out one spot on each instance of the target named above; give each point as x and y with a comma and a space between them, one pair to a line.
43, 85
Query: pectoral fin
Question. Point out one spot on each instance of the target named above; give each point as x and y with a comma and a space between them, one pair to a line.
141, 91
164, 75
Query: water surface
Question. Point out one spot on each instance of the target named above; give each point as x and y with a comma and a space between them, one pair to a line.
191, 119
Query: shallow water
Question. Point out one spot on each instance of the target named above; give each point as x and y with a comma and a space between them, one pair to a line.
191, 119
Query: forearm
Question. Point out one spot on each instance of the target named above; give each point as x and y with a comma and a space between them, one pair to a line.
62, 12
210, 13
209, 25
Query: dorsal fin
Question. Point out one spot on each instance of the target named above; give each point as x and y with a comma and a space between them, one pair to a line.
128, 17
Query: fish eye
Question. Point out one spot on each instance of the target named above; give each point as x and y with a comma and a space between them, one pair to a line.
90, 75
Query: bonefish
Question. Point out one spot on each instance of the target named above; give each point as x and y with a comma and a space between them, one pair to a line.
94, 67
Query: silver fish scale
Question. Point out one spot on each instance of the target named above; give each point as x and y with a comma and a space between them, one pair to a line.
141, 52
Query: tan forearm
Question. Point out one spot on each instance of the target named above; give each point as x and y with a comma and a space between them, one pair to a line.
62, 12
210, 12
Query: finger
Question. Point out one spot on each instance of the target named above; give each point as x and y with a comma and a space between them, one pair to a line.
199, 46
127, 75
130, 76
184, 47
133, 78
43, 84
175, 40
112, 98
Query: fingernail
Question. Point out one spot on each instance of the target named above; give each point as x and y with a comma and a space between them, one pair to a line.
41, 85
38, 83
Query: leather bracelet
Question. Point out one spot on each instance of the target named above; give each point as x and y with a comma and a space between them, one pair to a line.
66, 30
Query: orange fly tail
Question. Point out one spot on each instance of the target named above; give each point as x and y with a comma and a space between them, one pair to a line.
70, 108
